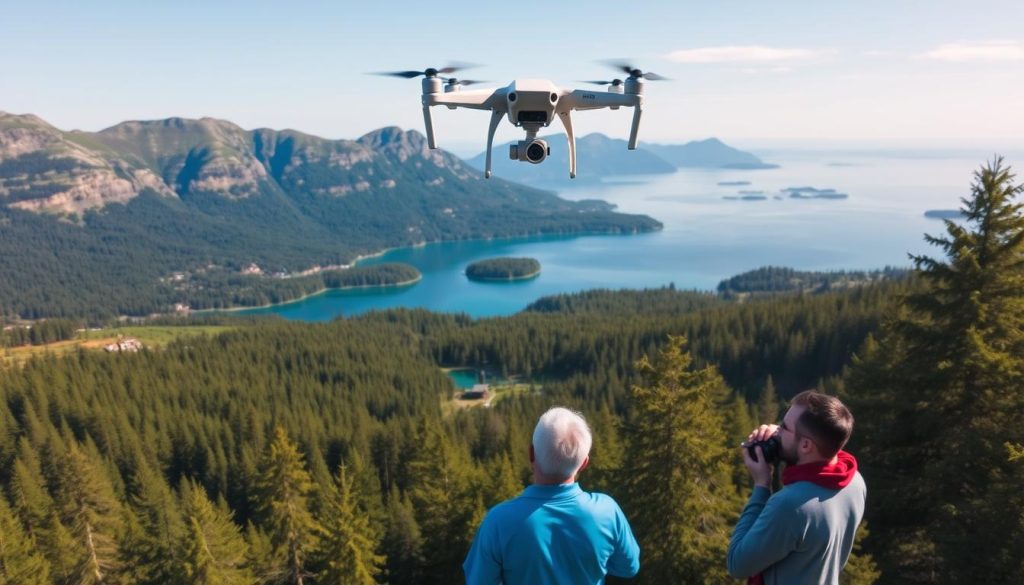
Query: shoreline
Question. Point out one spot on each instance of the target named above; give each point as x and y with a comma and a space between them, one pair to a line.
509, 279
361, 257
308, 295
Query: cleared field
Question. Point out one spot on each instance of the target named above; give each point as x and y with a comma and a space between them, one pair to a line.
151, 337
498, 392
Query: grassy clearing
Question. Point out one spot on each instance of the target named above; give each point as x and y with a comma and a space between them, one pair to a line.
151, 337
455, 403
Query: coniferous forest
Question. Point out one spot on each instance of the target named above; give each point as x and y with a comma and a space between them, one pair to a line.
328, 454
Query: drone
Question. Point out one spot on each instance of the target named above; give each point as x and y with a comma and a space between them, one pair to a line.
530, 104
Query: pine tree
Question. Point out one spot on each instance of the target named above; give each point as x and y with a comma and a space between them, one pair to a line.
938, 396
861, 568
153, 527
20, 560
347, 551
31, 502
213, 551
503, 482
402, 542
447, 509
93, 516
768, 403
677, 473
282, 500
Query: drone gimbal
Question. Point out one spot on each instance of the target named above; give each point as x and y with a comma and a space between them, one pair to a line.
531, 104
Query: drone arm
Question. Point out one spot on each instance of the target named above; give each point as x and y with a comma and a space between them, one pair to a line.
567, 123
431, 141
496, 116
591, 100
475, 100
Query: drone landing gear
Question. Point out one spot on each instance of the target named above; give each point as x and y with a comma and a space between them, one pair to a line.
496, 116
567, 123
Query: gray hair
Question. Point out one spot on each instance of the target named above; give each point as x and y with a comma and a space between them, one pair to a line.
561, 443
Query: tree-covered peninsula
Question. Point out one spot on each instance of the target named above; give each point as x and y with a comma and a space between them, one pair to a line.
503, 269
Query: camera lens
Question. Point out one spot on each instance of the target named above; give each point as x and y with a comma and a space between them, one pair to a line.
769, 447
536, 152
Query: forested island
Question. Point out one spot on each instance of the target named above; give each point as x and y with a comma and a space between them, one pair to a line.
503, 269
777, 279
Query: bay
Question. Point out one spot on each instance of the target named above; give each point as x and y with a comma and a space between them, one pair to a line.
706, 237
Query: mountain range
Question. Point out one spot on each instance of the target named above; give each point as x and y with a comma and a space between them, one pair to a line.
599, 157
103, 222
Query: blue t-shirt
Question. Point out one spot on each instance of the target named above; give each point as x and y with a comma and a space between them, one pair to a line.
553, 534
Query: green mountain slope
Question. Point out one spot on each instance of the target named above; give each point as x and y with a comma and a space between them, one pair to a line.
145, 215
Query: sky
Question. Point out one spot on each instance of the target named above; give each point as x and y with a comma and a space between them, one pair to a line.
892, 73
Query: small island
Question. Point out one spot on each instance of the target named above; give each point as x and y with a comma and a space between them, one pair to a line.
813, 193
503, 269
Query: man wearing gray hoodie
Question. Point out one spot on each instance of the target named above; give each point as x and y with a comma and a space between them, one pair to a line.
804, 533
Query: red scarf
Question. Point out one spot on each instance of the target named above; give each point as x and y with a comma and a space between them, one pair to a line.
833, 476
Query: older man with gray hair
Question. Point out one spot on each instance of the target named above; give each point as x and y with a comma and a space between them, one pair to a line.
554, 532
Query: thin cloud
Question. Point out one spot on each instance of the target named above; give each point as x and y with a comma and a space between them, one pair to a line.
978, 51
748, 54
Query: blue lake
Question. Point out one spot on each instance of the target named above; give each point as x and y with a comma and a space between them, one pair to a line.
706, 238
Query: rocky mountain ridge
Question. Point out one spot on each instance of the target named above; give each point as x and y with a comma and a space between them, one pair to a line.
69, 173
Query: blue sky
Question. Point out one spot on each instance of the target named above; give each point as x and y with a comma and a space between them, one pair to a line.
890, 73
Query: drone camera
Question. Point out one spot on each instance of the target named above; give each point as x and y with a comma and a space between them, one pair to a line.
531, 151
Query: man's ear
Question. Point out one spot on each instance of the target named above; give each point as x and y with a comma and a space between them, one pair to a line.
807, 446
586, 462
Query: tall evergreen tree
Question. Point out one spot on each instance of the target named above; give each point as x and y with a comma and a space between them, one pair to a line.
402, 542
347, 552
939, 394
153, 528
21, 563
768, 403
93, 516
447, 509
861, 568
213, 551
282, 500
677, 472
31, 502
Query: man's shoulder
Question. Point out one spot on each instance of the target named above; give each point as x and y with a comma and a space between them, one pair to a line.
599, 499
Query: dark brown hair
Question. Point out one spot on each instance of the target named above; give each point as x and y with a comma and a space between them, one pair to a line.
825, 420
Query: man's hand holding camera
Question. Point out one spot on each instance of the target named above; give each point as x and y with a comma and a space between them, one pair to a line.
760, 468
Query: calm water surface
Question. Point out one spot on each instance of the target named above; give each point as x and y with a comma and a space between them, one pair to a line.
706, 237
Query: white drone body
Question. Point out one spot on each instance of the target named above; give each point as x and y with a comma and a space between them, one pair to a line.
532, 104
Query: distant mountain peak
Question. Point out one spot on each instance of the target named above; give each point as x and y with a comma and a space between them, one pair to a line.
401, 144
393, 135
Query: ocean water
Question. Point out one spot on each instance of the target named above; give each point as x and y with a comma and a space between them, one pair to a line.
706, 237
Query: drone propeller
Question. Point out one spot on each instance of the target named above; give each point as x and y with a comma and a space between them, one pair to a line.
634, 72
613, 83
428, 72
453, 81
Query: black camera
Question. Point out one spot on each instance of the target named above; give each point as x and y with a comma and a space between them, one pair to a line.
770, 447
